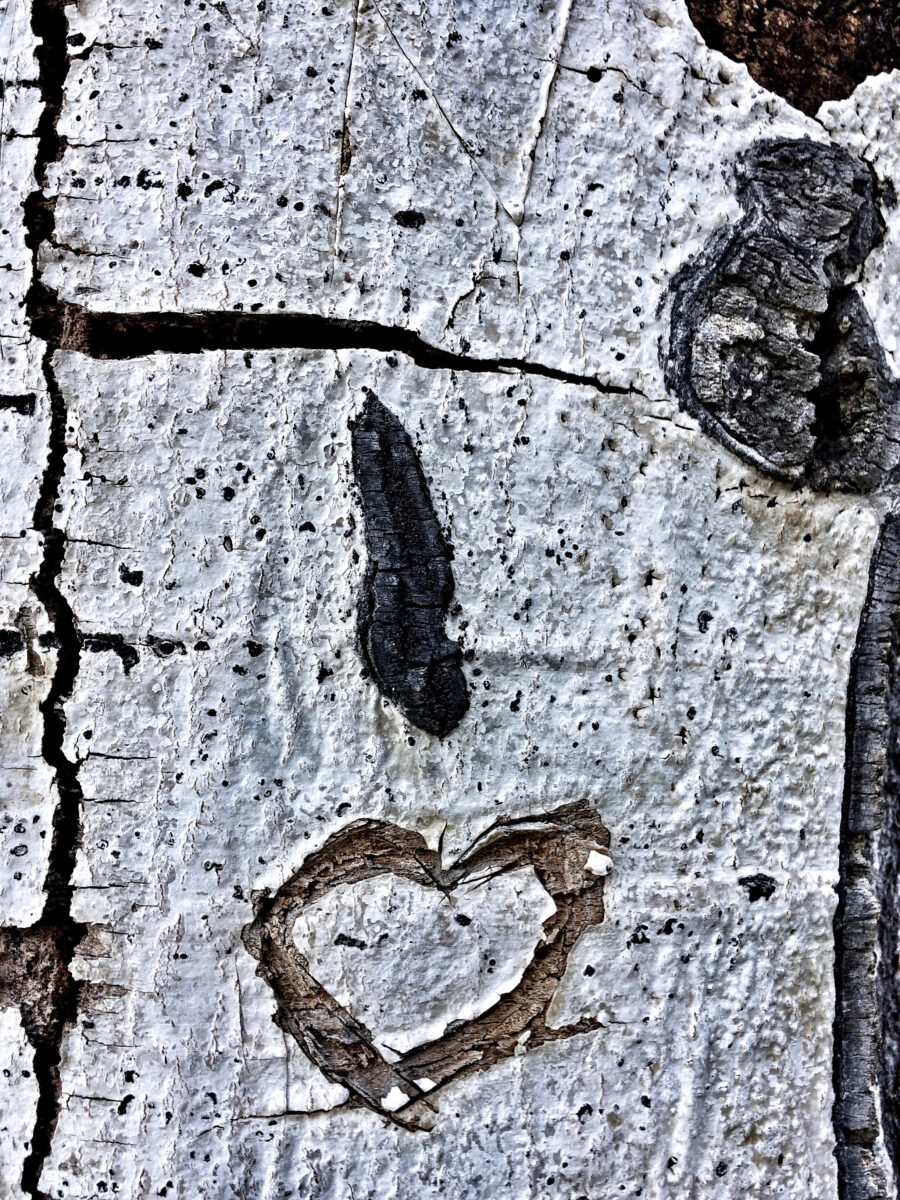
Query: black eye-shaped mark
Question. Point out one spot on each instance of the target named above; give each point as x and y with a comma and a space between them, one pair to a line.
408, 583
771, 349
773, 352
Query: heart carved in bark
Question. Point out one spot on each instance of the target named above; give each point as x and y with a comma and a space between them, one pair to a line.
566, 848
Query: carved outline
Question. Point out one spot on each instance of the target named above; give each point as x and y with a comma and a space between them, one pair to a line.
555, 844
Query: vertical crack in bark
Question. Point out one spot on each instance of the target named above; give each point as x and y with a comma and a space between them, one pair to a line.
34, 962
49, 994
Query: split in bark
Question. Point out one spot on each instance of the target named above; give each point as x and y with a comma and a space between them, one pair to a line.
109, 335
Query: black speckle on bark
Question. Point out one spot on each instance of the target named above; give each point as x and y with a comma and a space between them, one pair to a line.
11, 642
344, 939
410, 219
24, 405
771, 349
758, 887
163, 647
97, 643
135, 578
408, 583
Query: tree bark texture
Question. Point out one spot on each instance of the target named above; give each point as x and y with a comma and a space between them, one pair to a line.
449, 602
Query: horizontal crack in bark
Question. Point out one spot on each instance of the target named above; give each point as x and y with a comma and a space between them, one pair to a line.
109, 335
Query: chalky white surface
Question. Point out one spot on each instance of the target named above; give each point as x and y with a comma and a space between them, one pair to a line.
451, 970
27, 797
591, 532
554, 204
18, 1098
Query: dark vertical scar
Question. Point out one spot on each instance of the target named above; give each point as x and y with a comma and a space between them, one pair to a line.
866, 1025
807, 51
886, 590
408, 582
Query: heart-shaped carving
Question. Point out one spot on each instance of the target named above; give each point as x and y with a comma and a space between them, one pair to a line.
567, 850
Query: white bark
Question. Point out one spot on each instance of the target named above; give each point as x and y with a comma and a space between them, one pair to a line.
649, 624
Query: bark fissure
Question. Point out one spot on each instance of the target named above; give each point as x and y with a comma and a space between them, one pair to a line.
112, 335
34, 962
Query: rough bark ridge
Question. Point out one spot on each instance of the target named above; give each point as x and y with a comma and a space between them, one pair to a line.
808, 51
558, 845
865, 923
888, 993
408, 584
770, 349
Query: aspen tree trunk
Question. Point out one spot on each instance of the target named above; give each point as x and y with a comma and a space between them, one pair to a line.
448, 462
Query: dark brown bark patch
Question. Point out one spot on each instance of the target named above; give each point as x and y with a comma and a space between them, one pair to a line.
807, 51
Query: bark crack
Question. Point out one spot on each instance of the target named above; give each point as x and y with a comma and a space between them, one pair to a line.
34, 962
112, 335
